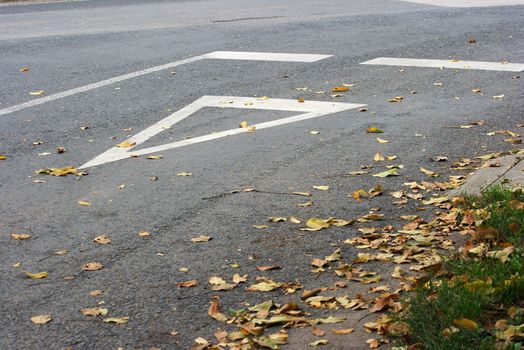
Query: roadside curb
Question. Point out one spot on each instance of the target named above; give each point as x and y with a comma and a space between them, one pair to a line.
505, 170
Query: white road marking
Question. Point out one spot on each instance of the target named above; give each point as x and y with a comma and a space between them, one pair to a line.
265, 56
311, 109
224, 55
468, 3
456, 64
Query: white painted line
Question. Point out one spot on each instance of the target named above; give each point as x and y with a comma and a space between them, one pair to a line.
224, 55
456, 64
312, 109
265, 56
468, 3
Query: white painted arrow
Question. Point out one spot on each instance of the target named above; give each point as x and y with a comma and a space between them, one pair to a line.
309, 109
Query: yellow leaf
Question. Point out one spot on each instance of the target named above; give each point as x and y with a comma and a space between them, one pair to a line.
436, 200
428, 172
301, 100
390, 172
126, 144
92, 266
24, 69
184, 173
117, 320
339, 89
243, 124
466, 323
379, 140
200, 239
20, 236
144, 234
2, 157
41, 319
374, 130
214, 280
315, 224
37, 93
343, 331
321, 188
37, 275
84, 203
95, 293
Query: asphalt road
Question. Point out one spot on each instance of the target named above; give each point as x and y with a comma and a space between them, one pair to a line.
71, 44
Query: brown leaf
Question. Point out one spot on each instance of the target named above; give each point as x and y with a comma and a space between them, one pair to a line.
187, 284
318, 332
201, 239
214, 311
102, 239
343, 331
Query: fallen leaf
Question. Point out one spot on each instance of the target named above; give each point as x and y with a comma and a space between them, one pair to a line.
498, 97
84, 203
339, 89
37, 275
92, 266
20, 236
187, 284
214, 311
126, 144
37, 93
268, 268
156, 157
243, 124
305, 204
201, 239
117, 320
343, 331
306, 194
428, 172
319, 342
277, 219
24, 69
95, 293
466, 323
374, 130
144, 234
396, 99
3, 157
102, 239
318, 332
314, 132
41, 319
379, 140
184, 174
94, 312
321, 188
390, 172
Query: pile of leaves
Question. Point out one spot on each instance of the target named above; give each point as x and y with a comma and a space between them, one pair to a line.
476, 298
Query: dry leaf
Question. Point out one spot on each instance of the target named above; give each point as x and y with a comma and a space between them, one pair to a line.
94, 312
37, 93
428, 172
102, 239
187, 284
95, 293
156, 157
84, 203
390, 172
92, 266
268, 268
20, 236
184, 173
117, 320
126, 144
321, 188
41, 319
277, 219
343, 331
319, 342
144, 234
201, 239
24, 69
379, 140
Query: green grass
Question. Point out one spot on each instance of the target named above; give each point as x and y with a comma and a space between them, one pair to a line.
478, 289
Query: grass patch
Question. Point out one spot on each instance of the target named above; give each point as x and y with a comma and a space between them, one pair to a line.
476, 300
